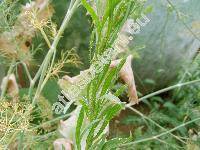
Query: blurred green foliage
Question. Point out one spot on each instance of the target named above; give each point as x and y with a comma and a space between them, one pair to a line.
77, 35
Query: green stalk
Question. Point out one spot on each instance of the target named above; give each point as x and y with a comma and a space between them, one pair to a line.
45, 37
32, 83
165, 90
152, 121
51, 121
27, 71
45, 64
161, 134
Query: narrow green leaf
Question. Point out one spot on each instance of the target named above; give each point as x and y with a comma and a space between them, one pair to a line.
115, 143
109, 115
120, 90
98, 145
112, 74
78, 128
89, 127
90, 136
92, 13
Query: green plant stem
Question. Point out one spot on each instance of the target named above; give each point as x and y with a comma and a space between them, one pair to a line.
44, 137
27, 71
51, 121
161, 134
170, 144
45, 37
32, 83
165, 90
10, 70
44, 67
152, 121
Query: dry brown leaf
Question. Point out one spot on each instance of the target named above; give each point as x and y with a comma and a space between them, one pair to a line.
126, 74
12, 87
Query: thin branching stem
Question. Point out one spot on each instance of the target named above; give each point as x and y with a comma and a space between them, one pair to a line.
45, 37
51, 121
161, 134
32, 84
152, 121
179, 85
27, 71
51, 52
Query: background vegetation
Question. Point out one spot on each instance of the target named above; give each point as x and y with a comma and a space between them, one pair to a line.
165, 55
